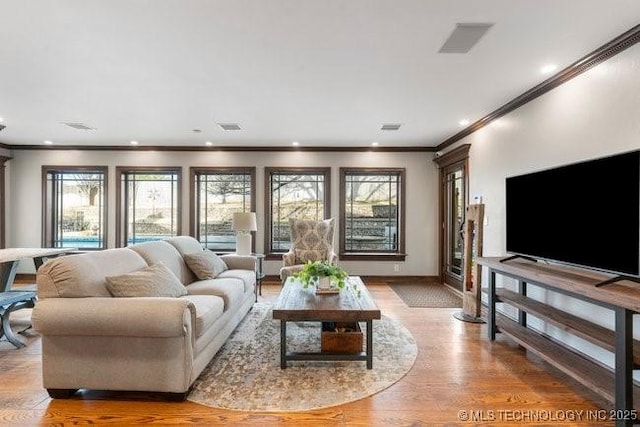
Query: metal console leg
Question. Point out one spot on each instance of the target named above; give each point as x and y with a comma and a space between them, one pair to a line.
491, 316
369, 344
283, 344
624, 365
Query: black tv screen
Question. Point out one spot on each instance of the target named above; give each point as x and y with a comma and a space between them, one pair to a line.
585, 214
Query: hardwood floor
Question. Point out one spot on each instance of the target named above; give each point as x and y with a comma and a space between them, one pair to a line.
459, 378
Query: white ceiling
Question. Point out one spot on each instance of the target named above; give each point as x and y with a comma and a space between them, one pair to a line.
322, 72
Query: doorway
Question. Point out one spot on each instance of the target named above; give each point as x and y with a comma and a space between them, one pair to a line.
453, 204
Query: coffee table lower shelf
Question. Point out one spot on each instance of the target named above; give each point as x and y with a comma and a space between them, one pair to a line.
326, 356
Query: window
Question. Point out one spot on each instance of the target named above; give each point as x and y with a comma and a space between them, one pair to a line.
148, 204
372, 213
216, 193
293, 193
74, 207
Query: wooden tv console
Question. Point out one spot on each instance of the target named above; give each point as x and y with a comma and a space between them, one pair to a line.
622, 297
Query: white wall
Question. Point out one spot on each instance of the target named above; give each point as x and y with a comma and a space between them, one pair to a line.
593, 115
24, 207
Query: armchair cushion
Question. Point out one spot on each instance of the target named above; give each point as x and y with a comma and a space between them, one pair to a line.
205, 264
153, 281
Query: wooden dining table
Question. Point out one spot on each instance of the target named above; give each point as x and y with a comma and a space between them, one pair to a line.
15, 299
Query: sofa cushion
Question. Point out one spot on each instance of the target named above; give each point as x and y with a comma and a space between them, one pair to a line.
161, 251
229, 289
248, 277
79, 276
205, 264
209, 308
152, 281
185, 244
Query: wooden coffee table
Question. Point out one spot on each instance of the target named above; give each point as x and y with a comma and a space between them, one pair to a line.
297, 304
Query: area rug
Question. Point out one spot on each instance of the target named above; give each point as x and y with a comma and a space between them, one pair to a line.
245, 375
427, 295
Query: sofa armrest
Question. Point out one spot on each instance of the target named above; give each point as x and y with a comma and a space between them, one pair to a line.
239, 262
132, 317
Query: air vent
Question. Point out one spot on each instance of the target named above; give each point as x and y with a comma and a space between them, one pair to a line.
464, 37
78, 126
390, 126
229, 126
2, 127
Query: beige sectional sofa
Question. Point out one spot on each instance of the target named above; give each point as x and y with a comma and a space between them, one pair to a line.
92, 340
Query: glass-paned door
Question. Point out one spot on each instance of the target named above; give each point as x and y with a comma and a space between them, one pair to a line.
454, 204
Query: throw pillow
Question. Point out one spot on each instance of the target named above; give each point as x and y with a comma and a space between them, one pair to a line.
205, 264
153, 281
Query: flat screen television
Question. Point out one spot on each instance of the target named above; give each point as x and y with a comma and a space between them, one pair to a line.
585, 214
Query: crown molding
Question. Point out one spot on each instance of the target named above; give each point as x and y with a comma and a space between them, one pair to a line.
226, 148
601, 54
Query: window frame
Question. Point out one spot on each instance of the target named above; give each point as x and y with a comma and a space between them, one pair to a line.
400, 253
121, 205
268, 172
3, 208
48, 230
194, 211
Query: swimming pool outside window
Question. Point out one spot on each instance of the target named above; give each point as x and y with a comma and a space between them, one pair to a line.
74, 207
148, 204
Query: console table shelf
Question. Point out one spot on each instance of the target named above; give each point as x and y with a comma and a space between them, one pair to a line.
622, 297
575, 325
592, 375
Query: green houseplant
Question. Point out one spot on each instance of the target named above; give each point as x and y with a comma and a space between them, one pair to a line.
312, 271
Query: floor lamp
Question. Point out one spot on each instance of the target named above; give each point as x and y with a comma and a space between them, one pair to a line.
243, 223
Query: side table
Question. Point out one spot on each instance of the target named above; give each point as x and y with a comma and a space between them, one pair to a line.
260, 274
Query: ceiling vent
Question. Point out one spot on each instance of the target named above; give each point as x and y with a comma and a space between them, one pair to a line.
464, 37
229, 126
2, 127
390, 126
78, 126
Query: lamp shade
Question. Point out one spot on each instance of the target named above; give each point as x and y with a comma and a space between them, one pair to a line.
244, 221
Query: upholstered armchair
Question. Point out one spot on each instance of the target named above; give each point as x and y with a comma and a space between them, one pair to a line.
310, 241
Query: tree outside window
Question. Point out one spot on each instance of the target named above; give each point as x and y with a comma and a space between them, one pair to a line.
148, 204
372, 213
216, 194
293, 193
74, 207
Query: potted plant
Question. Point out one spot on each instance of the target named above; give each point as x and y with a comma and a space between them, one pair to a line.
313, 272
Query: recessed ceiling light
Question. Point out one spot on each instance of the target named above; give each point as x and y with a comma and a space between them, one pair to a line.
229, 126
374, 143
134, 142
47, 142
548, 69
464, 122
296, 143
391, 126
208, 143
